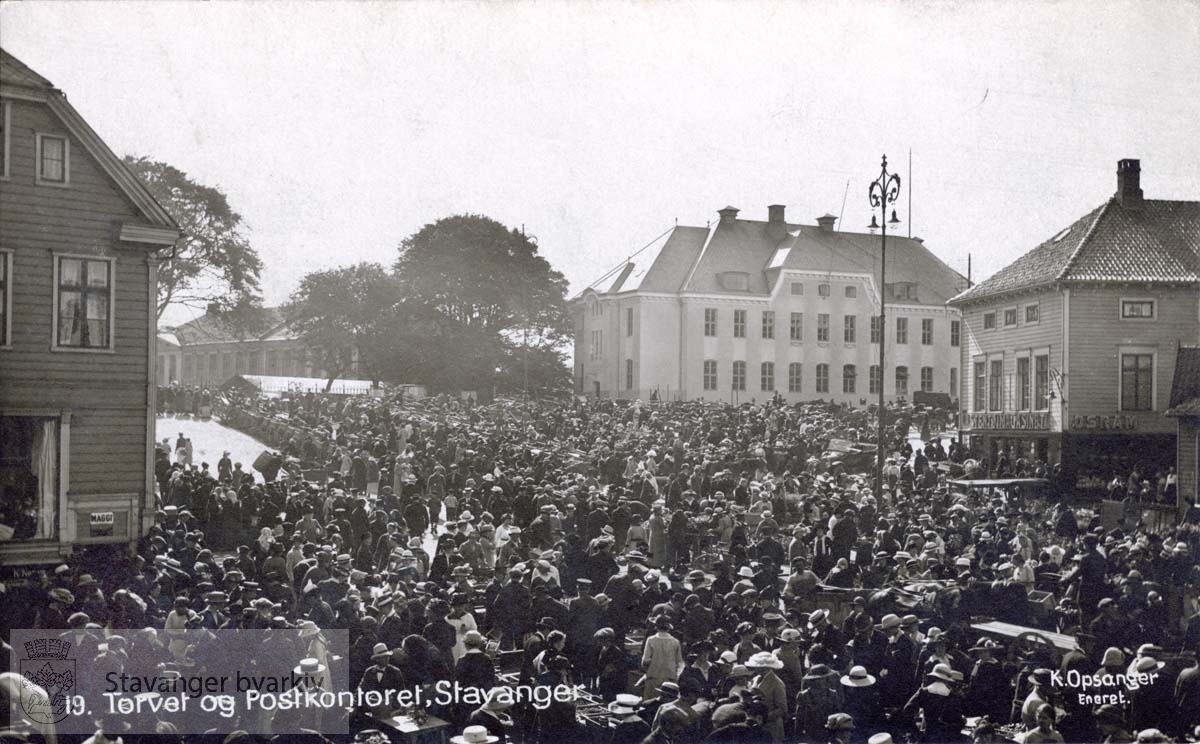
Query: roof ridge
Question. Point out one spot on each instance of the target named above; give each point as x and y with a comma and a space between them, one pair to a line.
1083, 241
9, 58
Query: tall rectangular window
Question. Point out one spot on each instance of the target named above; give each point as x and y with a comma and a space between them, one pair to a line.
996, 385
823, 290
29, 459
768, 324
53, 159
1023, 383
795, 377
84, 303
875, 326
1041, 382
710, 374
739, 323
874, 379
214, 367
822, 378
629, 374
849, 378
1032, 313
739, 375
849, 332
629, 321
954, 332
902, 330
5, 297
980, 386
822, 326
954, 382
1137, 382
927, 379
797, 327
710, 321
767, 376
989, 321
5, 128
927, 331
1010, 316
901, 382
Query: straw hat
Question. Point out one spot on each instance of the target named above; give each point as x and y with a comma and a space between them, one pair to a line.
474, 735
308, 667
858, 677
764, 660
380, 652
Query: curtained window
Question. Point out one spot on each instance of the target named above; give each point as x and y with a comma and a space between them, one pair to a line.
28, 477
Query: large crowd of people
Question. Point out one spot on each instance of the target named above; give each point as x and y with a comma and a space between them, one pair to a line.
698, 571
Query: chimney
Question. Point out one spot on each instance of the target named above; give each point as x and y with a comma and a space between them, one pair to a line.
1129, 183
776, 225
728, 215
825, 222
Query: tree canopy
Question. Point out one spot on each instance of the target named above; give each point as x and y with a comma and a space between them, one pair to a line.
213, 262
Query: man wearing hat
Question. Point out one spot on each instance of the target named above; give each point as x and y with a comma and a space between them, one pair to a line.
381, 676
940, 707
840, 728
492, 716
629, 727
989, 690
899, 663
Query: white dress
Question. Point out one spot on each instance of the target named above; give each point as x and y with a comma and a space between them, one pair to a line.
461, 625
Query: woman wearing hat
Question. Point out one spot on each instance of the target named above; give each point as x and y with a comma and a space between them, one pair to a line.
771, 688
989, 691
860, 697
939, 704
662, 657
819, 698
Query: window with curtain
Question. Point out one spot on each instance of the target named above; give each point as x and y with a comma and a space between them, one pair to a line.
822, 378
795, 377
28, 478
739, 375
1137, 382
767, 376
849, 376
84, 294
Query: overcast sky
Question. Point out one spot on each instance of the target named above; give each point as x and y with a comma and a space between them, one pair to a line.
337, 129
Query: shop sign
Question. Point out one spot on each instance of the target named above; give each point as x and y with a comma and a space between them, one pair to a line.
101, 524
1006, 421
1116, 422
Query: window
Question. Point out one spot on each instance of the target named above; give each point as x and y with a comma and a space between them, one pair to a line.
739, 323
989, 321
5, 128
1137, 308
272, 362
767, 375
710, 321
875, 326
243, 361
851, 291
710, 374
188, 361
629, 374
848, 330
84, 318
795, 375
797, 327
848, 378
996, 385
1023, 383
902, 330
823, 327
768, 324
901, 382
214, 367
927, 379
954, 382
1041, 385
1137, 382
629, 321
739, 375
874, 379
822, 378
954, 333
980, 385
797, 288
53, 160
29, 469
927, 331
5, 298
1032, 313
823, 290
1010, 317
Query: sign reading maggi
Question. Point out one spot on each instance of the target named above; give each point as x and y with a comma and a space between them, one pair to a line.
1006, 421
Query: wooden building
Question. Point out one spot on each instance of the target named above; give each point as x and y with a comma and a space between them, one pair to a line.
79, 243
1069, 352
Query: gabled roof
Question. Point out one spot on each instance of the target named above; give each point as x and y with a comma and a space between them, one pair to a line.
1160, 242
1185, 390
216, 329
661, 267
15, 75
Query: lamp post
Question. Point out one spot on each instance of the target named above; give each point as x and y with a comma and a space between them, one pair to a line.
882, 192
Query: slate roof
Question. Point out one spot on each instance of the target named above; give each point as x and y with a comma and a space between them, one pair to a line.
1158, 243
693, 259
214, 329
1185, 390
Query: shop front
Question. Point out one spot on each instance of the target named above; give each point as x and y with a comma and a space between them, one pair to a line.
1023, 435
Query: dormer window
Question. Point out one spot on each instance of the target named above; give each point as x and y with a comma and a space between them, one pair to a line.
902, 291
734, 281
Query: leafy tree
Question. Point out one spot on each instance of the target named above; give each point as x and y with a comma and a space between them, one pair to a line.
343, 312
213, 263
481, 290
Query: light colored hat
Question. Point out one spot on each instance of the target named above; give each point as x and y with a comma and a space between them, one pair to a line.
764, 660
1113, 656
308, 628
308, 667
740, 670
474, 735
942, 672
380, 651
1148, 664
858, 677
839, 722
884, 738
625, 704
889, 621
746, 572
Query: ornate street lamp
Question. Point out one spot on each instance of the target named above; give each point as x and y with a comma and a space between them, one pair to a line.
883, 191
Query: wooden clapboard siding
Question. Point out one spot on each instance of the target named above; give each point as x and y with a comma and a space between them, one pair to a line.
1098, 333
105, 392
